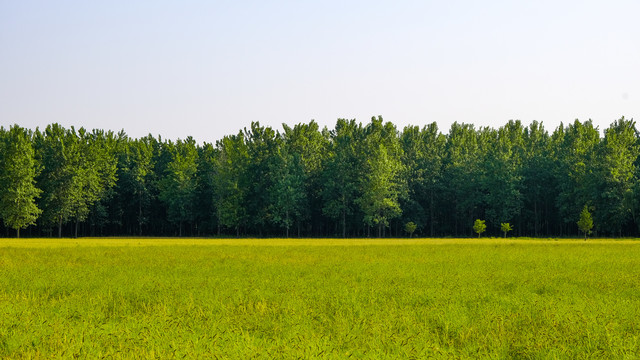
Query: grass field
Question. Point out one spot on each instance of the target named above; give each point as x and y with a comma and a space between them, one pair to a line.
319, 298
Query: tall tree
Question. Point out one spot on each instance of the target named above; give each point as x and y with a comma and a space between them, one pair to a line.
18, 169
306, 142
262, 145
462, 171
177, 187
615, 172
206, 177
135, 178
423, 153
287, 191
57, 151
95, 170
501, 182
340, 175
381, 182
575, 150
538, 182
229, 192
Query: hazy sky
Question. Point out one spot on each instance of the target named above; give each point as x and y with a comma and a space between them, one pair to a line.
209, 68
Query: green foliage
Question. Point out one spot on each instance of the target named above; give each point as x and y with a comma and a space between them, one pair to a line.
463, 193
288, 195
585, 224
615, 175
433, 299
577, 159
505, 228
229, 193
135, 177
502, 179
177, 188
422, 160
479, 226
262, 145
351, 180
381, 183
410, 228
18, 169
341, 177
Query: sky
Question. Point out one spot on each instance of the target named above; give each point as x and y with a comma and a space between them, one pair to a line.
209, 68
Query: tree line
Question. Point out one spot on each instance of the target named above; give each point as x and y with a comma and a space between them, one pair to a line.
355, 180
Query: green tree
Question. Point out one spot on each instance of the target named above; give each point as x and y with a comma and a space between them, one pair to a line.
539, 189
462, 172
57, 151
381, 183
423, 152
585, 224
95, 170
231, 165
410, 228
575, 153
177, 187
206, 177
341, 172
262, 145
135, 174
505, 228
18, 169
479, 226
306, 143
287, 191
502, 181
615, 173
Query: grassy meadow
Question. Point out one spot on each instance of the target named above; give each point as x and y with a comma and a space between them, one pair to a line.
319, 298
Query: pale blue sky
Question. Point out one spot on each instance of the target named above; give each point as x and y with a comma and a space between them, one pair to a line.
209, 68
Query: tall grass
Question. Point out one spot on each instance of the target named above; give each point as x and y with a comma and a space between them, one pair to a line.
124, 298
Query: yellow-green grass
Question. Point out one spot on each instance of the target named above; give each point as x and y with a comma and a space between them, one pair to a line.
289, 298
154, 241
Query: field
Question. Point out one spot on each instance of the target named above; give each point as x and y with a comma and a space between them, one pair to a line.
319, 298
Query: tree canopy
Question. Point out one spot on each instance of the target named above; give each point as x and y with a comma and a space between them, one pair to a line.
351, 180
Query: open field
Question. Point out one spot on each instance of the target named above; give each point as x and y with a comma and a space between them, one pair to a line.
291, 298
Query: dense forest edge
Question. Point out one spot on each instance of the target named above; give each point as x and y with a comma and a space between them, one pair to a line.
355, 180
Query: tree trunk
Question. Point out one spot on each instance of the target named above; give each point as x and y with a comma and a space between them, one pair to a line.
344, 223
431, 213
76, 231
18, 232
535, 218
140, 216
60, 227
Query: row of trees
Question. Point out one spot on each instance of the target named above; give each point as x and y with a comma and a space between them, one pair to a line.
352, 180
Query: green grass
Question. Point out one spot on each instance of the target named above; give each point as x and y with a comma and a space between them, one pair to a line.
280, 298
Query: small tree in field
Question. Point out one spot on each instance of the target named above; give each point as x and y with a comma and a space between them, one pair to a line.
585, 224
479, 226
505, 228
410, 227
